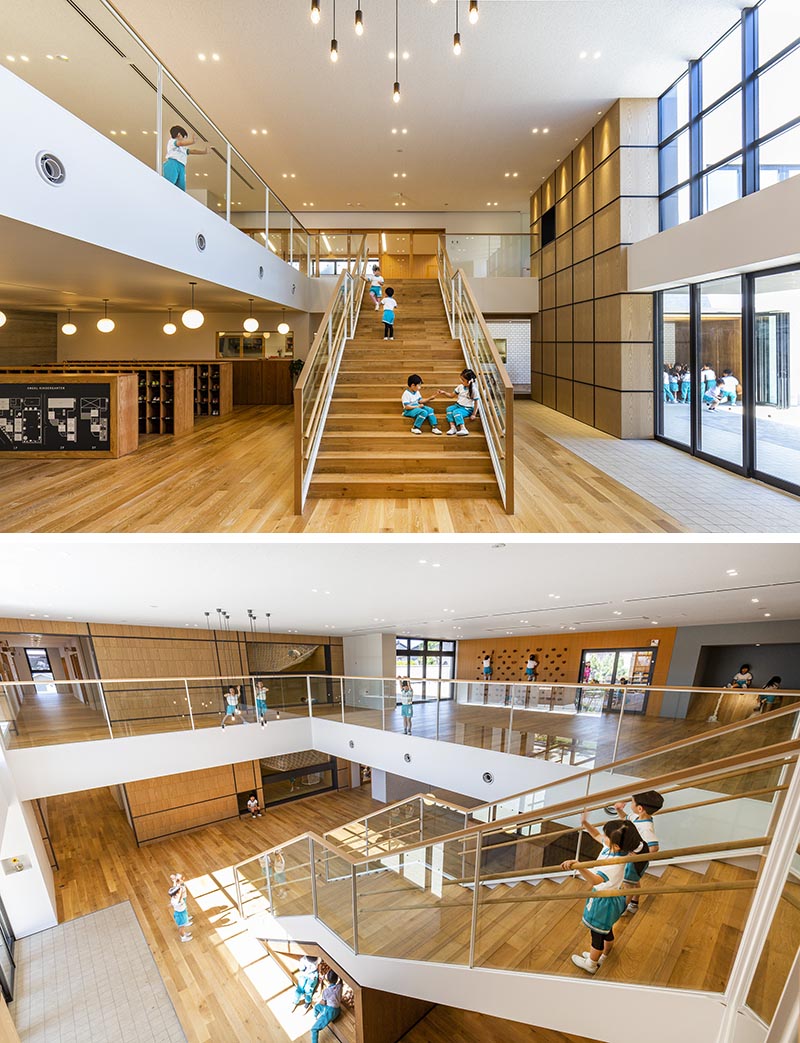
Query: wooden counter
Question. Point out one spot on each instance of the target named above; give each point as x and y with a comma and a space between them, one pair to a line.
81, 415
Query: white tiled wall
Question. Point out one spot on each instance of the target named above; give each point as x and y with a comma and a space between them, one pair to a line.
517, 332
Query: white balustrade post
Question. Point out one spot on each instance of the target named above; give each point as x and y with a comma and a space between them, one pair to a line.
228, 181
308, 696
189, 704
159, 117
619, 724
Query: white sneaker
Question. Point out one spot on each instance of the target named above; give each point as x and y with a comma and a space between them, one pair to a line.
385, 338
436, 430
186, 938
462, 431
415, 431
585, 964
452, 431
631, 908
585, 955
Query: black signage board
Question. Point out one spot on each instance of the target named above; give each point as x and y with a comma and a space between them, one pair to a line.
55, 417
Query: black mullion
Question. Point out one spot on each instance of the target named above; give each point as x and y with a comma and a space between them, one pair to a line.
789, 125
695, 329
658, 359
771, 62
749, 101
748, 373
715, 104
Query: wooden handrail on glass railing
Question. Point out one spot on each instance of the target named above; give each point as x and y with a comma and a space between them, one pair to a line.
314, 388
495, 390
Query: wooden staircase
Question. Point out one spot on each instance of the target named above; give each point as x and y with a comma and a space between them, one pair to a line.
367, 449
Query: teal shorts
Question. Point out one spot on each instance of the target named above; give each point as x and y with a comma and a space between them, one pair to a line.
375, 291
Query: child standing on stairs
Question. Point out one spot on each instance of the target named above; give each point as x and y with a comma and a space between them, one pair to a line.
414, 405
643, 807
600, 914
389, 307
375, 283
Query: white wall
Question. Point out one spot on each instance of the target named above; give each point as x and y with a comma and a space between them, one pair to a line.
760, 231
506, 296
111, 200
139, 335
370, 655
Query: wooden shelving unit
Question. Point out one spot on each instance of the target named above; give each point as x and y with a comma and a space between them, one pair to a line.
213, 388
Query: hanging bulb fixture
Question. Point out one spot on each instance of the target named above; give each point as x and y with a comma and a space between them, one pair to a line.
334, 42
396, 88
169, 326
193, 318
69, 327
359, 20
473, 11
283, 325
456, 35
315, 11
250, 324
105, 325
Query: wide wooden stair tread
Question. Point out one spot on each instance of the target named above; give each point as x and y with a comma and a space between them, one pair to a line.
367, 449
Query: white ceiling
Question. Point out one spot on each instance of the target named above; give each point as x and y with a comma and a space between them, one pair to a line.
469, 119
347, 587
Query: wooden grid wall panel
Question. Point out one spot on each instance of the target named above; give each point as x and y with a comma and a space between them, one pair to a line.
592, 343
559, 655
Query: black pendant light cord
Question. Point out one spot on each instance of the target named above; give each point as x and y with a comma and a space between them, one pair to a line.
396, 41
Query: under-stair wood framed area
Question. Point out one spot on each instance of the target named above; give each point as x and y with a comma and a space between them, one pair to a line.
407, 903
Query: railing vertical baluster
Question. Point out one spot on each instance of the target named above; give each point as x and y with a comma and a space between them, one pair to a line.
308, 696
228, 181
189, 704
105, 709
266, 217
355, 909
159, 117
312, 864
476, 884
619, 726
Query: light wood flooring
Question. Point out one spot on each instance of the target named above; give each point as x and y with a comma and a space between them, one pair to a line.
235, 474
225, 989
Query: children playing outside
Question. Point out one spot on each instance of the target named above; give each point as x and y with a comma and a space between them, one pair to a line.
466, 395
177, 898
253, 806
713, 394
414, 405
307, 981
375, 283
406, 705
643, 807
729, 388
179, 147
600, 914
331, 1006
389, 307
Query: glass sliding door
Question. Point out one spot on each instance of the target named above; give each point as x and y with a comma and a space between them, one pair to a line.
776, 305
676, 375
720, 364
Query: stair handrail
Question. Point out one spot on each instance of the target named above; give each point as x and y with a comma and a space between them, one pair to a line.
780, 754
314, 388
495, 390
609, 767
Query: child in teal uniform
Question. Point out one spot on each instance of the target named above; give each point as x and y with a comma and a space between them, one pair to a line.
389, 308
643, 807
179, 147
406, 705
307, 981
261, 701
414, 405
331, 1006
375, 283
600, 914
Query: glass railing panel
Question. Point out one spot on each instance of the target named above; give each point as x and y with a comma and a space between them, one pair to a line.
437, 818
206, 164
147, 707
334, 890
125, 111
52, 712
416, 905
300, 248
364, 702
248, 191
484, 256
280, 223
277, 882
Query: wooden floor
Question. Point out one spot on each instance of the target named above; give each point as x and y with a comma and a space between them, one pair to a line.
234, 474
225, 989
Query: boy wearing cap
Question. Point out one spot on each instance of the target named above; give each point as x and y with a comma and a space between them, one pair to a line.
643, 807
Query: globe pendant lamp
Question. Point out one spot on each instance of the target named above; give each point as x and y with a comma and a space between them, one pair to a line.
105, 325
2, 318
193, 318
250, 324
169, 326
283, 325
69, 327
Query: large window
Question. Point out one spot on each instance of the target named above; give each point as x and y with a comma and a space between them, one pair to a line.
41, 670
429, 661
729, 353
730, 124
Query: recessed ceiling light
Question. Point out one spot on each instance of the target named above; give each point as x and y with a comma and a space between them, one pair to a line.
732, 572
292, 175
596, 55
583, 54
599, 112
422, 561
24, 58
767, 614
214, 57
754, 600
404, 130
545, 130
62, 57
50, 57
254, 131
394, 130
617, 613
507, 174
114, 133
436, 565
391, 56
654, 622
396, 174
515, 174
406, 56
201, 57
535, 130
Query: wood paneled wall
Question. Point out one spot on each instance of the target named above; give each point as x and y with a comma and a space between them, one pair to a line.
175, 803
28, 337
592, 342
559, 655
